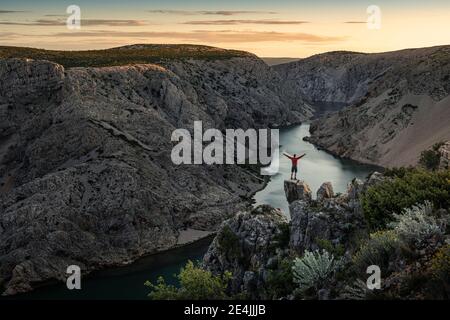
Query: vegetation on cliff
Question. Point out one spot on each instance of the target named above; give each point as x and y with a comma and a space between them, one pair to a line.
195, 284
406, 235
404, 188
134, 54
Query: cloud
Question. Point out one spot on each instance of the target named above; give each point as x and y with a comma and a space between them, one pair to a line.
11, 11
7, 35
221, 36
355, 22
84, 22
210, 12
234, 22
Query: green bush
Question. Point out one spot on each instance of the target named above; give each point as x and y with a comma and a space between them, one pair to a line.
228, 242
195, 284
142, 54
378, 250
315, 270
410, 187
280, 282
337, 250
417, 224
429, 159
440, 265
281, 240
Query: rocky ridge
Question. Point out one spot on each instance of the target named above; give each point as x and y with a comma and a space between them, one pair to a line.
398, 101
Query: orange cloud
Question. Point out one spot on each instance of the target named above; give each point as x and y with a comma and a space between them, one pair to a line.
86, 22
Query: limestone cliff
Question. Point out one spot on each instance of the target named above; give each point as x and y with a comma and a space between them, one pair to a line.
398, 101
85, 171
254, 245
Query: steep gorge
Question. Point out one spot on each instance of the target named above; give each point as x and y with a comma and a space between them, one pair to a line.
85, 169
398, 101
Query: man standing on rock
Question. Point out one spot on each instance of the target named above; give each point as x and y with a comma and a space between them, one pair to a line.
294, 159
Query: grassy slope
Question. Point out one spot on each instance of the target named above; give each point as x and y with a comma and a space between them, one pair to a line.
133, 54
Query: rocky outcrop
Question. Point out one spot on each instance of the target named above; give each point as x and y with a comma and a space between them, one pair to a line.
246, 245
334, 219
325, 219
398, 102
325, 191
297, 189
444, 151
86, 176
253, 244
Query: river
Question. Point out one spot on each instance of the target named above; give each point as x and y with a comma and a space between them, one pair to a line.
128, 282
316, 167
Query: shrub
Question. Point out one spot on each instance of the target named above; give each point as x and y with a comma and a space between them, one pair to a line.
440, 265
430, 159
280, 282
337, 250
281, 239
229, 243
378, 250
195, 284
314, 270
357, 291
417, 225
413, 186
150, 53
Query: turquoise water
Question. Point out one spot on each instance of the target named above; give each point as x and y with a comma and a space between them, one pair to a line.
315, 168
128, 282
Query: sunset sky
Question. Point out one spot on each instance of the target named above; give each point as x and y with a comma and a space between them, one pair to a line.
281, 28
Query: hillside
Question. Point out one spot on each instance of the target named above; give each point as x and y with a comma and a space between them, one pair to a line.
398, 101
86, 176
132, 54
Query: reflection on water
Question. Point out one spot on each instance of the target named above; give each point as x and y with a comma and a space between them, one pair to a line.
315, 168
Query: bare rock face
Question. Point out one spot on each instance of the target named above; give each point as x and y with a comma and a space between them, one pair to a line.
325, 191
297, 190
444, 151
398, 102
245, 245
354, 190
42, 81
86, 176
333, 219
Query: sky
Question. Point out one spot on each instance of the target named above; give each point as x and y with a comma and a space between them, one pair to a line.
276, 28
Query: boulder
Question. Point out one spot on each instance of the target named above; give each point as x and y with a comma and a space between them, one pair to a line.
325, 191
444, 151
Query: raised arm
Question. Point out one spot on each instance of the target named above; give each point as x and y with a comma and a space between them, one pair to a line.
299, 157
287, 155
